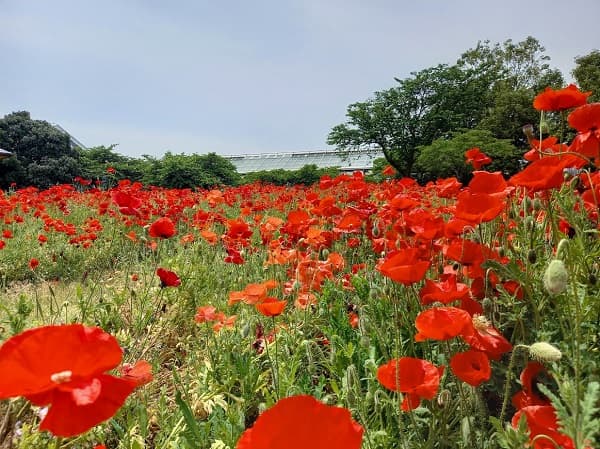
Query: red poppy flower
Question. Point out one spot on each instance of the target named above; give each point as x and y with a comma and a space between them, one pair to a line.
418, 378
528, 396
586, 120
546, 173
162, 228
388, 171
33, 263
481, 335
541, 420
561, 99
492, 183
271, 307
478, 207
477, 158
444, 291
69, 377
168, 278
128, 204
441, 323
472, 367
301, 422
404, 266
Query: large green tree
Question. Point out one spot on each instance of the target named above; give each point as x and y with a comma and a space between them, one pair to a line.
519, 71
421, 108
491, 86
43, 155
587, 73
190, 171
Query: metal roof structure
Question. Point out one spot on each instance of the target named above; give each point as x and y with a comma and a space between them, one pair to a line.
348, 161
74, 142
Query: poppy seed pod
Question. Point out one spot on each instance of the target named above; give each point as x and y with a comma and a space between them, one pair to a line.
556, 277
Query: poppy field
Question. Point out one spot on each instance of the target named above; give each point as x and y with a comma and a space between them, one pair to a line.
344, 315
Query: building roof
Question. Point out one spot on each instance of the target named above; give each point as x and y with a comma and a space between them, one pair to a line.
348, 161
74, 142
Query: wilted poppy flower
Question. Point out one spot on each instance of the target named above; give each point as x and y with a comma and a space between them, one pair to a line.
417, 378
205, 314
301, 422
441, 323
477, 158
140, 372
472, 367
162, 228
404, 266
64, 367
271, 307
168, 278
561, 99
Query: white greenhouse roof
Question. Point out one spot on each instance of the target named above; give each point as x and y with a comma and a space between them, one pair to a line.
348, 161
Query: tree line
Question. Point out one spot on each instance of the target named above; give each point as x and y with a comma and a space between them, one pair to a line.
44, 156
425, 122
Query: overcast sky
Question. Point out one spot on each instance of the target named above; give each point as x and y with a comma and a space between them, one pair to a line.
246, 76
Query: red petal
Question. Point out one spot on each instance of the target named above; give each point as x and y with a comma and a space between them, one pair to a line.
28, 360
67, 418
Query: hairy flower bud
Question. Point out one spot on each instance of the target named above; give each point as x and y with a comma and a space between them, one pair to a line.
556, 277
544, 352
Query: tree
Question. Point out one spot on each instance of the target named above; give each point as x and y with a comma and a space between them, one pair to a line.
95, 161
587, 74
518, 71
423, 107
180, 171
43, 155
445, 157
491, 86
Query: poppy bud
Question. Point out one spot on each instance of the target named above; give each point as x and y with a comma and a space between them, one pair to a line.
528, 131
444, 398
375, 231
528, 222
556, 277
544, 352
561, 248
537, 204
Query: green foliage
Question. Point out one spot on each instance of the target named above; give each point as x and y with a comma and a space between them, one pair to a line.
578, 417
587, 73
190, 171
518, 71
421, 108
42, 154
445, 157
491, 87
307, 175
